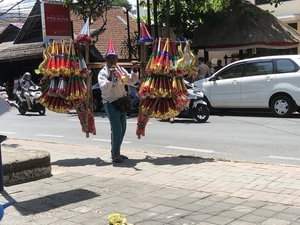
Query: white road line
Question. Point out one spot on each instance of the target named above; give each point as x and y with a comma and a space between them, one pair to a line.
7, 132
191, 149
107, 140
50, 135
281, 157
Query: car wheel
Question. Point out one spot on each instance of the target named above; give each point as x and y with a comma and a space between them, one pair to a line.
201, 113
282, 106
95, 105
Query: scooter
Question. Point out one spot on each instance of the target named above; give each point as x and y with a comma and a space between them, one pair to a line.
21, 103
197, 107
3, 94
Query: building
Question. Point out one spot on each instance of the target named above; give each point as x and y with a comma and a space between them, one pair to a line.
21, 44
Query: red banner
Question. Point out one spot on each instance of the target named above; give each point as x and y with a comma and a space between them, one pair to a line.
57, 20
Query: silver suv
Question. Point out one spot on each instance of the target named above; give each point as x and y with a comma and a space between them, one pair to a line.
265, 82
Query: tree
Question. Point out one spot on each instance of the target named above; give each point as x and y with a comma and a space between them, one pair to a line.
185, 16
94, 10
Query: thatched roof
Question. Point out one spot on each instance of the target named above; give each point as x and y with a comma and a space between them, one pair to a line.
16, 52
245, 26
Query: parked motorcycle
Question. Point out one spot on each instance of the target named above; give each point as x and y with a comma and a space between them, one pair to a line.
197, 108
3, 94
21, 103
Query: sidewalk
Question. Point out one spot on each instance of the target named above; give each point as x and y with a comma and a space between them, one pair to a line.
151, 189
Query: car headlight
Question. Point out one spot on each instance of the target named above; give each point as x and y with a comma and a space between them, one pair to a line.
197, 89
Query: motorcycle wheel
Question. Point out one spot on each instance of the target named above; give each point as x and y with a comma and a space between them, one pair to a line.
21, 110
42, 109
201, 113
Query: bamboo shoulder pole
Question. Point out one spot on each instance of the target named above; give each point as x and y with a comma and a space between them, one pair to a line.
142, 72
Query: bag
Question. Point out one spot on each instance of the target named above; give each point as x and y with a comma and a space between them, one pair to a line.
122, 104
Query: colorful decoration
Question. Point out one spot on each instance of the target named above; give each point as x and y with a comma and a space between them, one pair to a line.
65, 69
110, 49
145, 36
163, 92
84, 35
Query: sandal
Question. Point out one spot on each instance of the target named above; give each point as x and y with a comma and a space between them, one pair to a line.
124, 157
117, 159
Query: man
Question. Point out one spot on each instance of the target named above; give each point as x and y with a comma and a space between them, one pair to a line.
26, 83
112, 80
134, 88
219, 65
203, 70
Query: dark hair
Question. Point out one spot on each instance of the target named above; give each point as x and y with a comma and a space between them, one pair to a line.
201, 59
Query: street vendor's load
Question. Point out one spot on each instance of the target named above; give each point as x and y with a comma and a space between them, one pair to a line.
65, 70
163, 92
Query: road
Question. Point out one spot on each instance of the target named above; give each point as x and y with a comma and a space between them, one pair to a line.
251, 137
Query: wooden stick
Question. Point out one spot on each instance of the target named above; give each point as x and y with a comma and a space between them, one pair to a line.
89, 83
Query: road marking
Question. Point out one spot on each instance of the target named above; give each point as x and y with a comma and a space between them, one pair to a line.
191, 149
281, 157
7, 132
50, 135
107, 140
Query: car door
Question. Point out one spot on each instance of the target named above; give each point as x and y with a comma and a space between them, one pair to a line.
225, 89
257, 83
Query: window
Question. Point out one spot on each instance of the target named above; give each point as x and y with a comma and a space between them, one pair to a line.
259, 68
232, 72
285, 66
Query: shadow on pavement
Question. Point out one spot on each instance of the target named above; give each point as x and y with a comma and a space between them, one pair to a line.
53, 201
159, 161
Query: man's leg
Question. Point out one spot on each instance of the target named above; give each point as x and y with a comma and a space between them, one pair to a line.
134, 100
27, 96
116, 128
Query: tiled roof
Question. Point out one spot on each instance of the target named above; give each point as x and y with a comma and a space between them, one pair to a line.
116, 28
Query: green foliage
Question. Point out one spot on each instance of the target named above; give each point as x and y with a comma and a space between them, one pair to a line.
185, 16
133, 45
93, 9
122, 3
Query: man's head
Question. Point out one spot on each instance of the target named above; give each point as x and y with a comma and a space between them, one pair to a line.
27, 76
219, 62
201, 60
111, 60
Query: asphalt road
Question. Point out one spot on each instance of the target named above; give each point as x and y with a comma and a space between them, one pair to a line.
253, 137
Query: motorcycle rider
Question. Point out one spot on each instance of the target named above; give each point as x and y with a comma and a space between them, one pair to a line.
133, 89
25, 83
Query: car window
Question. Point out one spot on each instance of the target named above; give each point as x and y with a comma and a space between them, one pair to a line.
232, 72
259, 68
285, 66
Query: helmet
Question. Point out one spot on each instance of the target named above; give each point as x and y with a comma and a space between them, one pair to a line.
27, 74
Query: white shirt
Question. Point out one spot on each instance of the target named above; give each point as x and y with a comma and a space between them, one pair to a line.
114, 89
